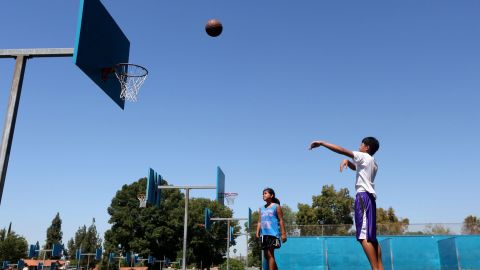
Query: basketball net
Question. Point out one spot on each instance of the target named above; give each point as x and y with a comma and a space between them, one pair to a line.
143, 200
131, 78
230, 197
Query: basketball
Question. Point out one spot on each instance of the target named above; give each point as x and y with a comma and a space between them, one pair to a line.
213, 27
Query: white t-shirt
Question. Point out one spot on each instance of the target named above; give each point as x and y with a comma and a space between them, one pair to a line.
366, 172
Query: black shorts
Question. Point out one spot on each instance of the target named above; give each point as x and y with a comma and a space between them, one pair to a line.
270, 241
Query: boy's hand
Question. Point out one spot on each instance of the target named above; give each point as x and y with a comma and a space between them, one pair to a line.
284, 238
343, 164
257, 235
315, 144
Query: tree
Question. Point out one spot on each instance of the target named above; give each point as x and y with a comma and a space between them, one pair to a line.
255, 251
87, 240
207, 248
54, 233
437, 229
389, 224
12, 246
289, 219
158, 231
70, 251
471, 225
234, 264
331, 209
76, 242
306, 215
155, 231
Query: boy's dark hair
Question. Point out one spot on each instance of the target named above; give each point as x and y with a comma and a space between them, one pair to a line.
372, 144
272, 192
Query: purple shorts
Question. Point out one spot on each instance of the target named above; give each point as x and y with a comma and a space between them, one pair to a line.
366, 217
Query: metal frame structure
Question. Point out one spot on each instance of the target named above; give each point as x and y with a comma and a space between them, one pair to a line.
246, 236
185, 222
88, 255
228, 235
21, 56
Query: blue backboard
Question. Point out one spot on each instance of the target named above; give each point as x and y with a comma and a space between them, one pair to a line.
232, 234
128, 257
208, 222
31, 252
249, 225
21, 264
153, 193
57, 250
220, 186
100, 45
78, 254
111, 257
98, 254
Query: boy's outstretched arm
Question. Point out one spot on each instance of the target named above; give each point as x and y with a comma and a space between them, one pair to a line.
335, 148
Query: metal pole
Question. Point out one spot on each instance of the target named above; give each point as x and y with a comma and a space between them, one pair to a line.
38, 52
185, 227
246, 258
44, 255
79, 258
228, 234
88, 261
21, 56
132, 260
11, 118
326, 254
263, 261
228, 244
185, 224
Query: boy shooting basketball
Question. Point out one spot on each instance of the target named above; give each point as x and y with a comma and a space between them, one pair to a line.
366, 167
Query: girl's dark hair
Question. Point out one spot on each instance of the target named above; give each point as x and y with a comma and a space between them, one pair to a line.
272, 192
372, 143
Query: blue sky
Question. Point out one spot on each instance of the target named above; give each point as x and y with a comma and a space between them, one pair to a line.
282, 74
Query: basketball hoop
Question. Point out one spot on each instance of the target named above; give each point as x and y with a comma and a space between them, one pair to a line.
230, 197
131, 78
143, 200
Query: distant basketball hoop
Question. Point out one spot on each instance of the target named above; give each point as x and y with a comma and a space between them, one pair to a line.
143, 200
230, 197
131, 78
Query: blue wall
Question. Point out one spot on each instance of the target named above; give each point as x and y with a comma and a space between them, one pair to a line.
302, 253
469, 251
407, 252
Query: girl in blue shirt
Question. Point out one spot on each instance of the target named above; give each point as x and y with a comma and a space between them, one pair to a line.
270, 227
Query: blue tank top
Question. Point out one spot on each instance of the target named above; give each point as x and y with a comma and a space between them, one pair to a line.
270, 224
